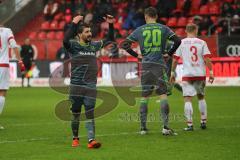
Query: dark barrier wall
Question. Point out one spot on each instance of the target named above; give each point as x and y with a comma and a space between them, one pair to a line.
229, 46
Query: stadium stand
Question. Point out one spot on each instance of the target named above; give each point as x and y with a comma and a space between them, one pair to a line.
180, 13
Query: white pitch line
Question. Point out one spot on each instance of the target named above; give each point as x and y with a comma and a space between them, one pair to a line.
104, 121
99, 135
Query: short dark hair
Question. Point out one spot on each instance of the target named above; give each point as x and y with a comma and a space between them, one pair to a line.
191, 27
151, 12
82, 26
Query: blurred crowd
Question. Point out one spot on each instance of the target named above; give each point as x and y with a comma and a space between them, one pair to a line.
129, 14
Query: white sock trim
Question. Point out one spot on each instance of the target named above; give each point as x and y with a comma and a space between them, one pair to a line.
188, 111
203, 109
2, 102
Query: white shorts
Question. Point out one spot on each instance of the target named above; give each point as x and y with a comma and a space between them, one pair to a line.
4, 78
191, 88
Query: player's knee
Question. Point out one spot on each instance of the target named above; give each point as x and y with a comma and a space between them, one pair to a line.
75, 116
187, 99
89, 112
163, 97
3, 93
200, 96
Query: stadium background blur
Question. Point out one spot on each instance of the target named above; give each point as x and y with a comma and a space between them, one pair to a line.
218, 21
32, 129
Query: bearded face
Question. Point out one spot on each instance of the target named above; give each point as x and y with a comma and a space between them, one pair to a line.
86, 35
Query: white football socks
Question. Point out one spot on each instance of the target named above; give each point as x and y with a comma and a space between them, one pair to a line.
188, 110
2, 102
203, 110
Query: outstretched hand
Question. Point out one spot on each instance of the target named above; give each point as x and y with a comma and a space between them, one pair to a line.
77, 19
109, 19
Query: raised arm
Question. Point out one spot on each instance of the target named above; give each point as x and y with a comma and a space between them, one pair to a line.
177, 42
71, 31
110, 36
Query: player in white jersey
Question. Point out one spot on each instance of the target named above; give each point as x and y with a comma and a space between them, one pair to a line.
195, 57
6, 41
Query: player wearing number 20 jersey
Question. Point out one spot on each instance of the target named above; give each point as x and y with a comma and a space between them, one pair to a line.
152, 38
195, 57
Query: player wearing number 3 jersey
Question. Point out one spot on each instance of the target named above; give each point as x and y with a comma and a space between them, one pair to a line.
195, 57
152, 38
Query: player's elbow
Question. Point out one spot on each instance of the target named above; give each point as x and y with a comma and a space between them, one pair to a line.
126, 45
177, 42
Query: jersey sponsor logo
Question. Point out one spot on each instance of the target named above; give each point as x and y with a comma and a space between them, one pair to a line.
87, 53
233, 50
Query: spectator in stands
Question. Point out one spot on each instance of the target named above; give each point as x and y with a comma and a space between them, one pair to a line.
62, 54
165, 7
68, 19
227, 10
237, 10
186, 7
50, 10
197, 20
203, 2
27, 54
68, 15
235, 25
205, 24
224, 25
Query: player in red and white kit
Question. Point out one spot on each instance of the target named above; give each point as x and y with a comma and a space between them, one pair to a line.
6, 41
195, 55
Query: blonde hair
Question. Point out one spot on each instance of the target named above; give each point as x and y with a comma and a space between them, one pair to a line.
191, 27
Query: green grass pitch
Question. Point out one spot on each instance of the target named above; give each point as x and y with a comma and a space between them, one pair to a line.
32, 131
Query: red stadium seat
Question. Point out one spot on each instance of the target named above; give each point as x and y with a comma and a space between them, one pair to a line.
45, 25
164, 19
172, 22
204, 10
33, 35
214, 19
214, 9
218, 30
180, 32
204, 32
229, 1
52, 48
196, 3
190, 20
59, 35
68, 18
182, 22
40, 46
51, 35
180, 4
61, 25
42, 35
54, 25
195, 7
58, 16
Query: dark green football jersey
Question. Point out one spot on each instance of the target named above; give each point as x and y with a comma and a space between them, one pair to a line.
84, 62
152, 39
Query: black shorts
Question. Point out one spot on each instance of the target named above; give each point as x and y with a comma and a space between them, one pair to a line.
153, 79
28, 65
82, 95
